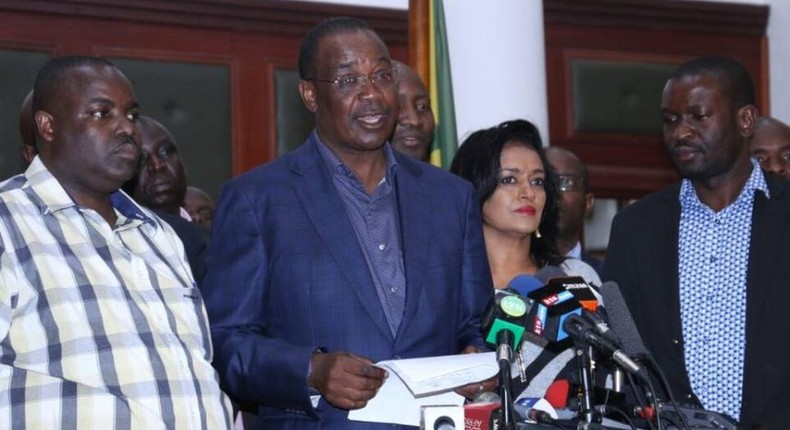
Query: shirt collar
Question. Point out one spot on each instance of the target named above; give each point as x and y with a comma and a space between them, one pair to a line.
54, 197
336, 166
576, 251
756, 182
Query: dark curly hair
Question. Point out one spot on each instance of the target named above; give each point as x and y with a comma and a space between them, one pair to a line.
478, 161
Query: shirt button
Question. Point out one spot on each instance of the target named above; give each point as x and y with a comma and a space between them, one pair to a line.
675, 341
382, 246
393, 289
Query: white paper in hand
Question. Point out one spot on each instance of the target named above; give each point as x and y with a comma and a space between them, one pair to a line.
417, 382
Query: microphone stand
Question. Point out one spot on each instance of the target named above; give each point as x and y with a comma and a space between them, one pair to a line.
584, 364
505, 357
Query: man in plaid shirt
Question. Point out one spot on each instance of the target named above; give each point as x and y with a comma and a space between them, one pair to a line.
101, 325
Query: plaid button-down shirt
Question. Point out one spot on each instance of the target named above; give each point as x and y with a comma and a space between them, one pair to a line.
100, 326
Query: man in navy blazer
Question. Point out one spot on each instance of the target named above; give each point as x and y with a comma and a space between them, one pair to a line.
342, 253
702, 264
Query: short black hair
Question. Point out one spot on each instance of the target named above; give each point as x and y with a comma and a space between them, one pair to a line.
736, 82
51, 76
478, 161
308, 50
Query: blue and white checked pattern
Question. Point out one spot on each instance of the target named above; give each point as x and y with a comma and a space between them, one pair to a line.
375, 220
100, 327
713, 261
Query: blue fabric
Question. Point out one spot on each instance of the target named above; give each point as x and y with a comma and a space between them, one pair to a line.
375, 222
712, 268
286, 274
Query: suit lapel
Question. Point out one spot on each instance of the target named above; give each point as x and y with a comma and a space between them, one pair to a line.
415, 215
326, 212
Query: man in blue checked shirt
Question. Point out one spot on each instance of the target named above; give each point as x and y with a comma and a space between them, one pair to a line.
702, 264
101, 325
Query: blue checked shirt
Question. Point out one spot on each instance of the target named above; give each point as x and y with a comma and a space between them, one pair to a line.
375, 220
714, 256
100, 326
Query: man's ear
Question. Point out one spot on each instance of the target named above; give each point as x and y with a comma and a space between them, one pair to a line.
746, 118
589, 200
45, 125
307, 91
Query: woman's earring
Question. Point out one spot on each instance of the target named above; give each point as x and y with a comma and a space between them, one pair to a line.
537, 233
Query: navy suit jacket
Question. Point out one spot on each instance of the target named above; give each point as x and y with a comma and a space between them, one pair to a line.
643, 259
286, 275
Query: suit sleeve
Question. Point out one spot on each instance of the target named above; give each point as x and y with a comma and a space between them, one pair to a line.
252, 366
477, 286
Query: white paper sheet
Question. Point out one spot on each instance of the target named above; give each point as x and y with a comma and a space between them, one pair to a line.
426, 381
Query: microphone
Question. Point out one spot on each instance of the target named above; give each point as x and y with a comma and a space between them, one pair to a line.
547, 273
441, 417
505, 320
600, 325
583, 332
553, 304
524, 284
582, 291
621, 320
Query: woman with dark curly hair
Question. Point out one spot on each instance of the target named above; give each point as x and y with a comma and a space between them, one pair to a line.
518, 197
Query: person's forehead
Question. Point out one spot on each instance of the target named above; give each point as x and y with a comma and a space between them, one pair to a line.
97, 78
563, 163
410, 84
344, 49
153, 135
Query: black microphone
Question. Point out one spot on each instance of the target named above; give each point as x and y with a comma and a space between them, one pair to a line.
583, 332
599, 323
505, 319
621, 320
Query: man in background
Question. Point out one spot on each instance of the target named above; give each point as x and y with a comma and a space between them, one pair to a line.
199, 206
414, 129
771, 146
100, 321
576, 202
160, 185
700, 263
341, 253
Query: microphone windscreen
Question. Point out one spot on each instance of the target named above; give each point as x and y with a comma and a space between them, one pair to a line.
621, 320
545, 274
524, 284
558, 393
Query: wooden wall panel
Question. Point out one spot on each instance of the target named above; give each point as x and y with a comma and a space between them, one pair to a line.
622, 165
251, 37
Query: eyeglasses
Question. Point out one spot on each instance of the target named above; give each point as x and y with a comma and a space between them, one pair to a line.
347, 84
570, 183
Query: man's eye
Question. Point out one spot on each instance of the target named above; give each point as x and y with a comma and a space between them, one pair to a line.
347, 81
99, 114
132, 116
786, 156
539, 182
384, 76
423, 106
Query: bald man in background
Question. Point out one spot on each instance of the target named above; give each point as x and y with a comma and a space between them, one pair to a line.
414, 130
770, 145
576, 202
